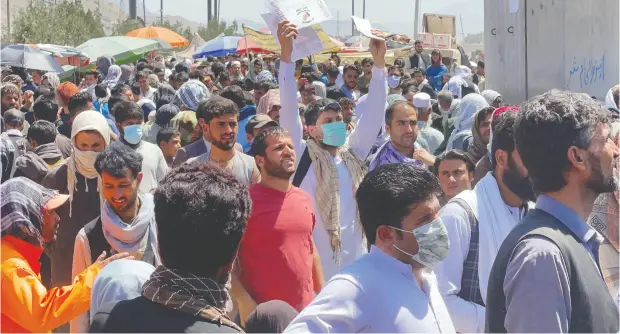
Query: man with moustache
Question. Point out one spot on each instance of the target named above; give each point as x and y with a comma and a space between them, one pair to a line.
546, 276
221, 126
477, 221
277, 249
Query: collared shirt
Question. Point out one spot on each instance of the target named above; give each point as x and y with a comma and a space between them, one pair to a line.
373, 109
376, 293
537, 271
433, 137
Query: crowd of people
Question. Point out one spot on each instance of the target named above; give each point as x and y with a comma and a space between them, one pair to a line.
268, 195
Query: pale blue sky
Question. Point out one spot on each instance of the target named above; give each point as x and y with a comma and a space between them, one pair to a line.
398, 15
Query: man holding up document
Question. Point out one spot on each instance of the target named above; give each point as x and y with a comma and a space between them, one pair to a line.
329, 155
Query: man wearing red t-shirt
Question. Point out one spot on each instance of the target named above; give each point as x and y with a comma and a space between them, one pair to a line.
277, 257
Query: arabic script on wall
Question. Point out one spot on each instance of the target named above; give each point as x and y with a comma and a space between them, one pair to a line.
588, 72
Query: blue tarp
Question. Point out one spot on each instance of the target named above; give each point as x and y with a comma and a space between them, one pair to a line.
218, 47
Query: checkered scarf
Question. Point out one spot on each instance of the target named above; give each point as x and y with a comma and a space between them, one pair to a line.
198, 296
327, 193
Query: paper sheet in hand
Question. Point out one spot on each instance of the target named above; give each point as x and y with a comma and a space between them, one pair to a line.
364, 27
307, 42
302, 13
513, 6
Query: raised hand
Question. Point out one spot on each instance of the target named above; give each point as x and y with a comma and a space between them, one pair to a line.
102, 261
378, 49
286, 33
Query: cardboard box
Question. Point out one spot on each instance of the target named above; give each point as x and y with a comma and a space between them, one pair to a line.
442, 41
427, 39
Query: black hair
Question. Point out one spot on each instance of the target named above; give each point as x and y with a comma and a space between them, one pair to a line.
44, 90
315, 108
142, 74
400, 63
92, 72
114, 100
79, 102
126, 110
396, 67
335, 93
13, 117
216, 107
249, 98
224, 76
166, 134
101, 91
119, 89
389, 113
333, 71
483, 113
135, 88
45, 108
197, 75
248, 84
417, 71
265, 85
337, 57
182, 77
200, 209
157, 70
238, 83
367, 60
480, 64
345, 100
141, 66
454, 155
350, 68
163, 100
396, 189
406, 85
116, 158
235, 94
217, 68
43, 132
547, 126
503, 135
259, 143
165, 114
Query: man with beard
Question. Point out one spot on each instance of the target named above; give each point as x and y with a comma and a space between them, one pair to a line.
351, 74
331, 165
277, 249
127, 220
221, 126
478, 220
546, 276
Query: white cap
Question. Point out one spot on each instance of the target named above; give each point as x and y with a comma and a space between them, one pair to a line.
422, 101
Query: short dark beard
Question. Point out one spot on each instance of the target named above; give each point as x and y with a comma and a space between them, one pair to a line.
276, 170
519, 185
597, 181
222, 146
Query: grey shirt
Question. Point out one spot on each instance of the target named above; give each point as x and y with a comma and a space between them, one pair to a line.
537, 285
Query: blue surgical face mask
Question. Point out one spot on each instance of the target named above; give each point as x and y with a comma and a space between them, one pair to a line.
421, 124
393, 81
133, 133
334, 134
433, 243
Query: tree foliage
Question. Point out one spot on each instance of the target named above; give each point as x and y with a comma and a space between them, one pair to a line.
474, 38
121, 28
215, 28
66, 23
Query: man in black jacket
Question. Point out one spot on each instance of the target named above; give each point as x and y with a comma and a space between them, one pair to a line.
551, 258
419, 58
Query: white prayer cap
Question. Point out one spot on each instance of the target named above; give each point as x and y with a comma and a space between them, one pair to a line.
422, 101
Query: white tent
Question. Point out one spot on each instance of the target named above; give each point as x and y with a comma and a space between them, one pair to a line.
195, 44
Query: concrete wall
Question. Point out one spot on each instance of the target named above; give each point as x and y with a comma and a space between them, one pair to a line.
570, 44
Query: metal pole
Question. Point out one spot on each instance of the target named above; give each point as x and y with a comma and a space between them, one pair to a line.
161, 15
209, 12
144, 11
352, 13
217, 17
416, 20
219, 8
364, 9
8, 18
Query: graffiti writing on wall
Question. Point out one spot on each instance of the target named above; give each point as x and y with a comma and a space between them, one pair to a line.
588, 72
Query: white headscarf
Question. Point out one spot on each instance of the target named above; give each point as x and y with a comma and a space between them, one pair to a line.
320, 89
490, 95
457, 81
118, 281
84, 162
609, 99
52, 78
470, 105
114, 74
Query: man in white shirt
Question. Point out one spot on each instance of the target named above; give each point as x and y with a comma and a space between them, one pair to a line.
146, 91
129, 119
330, 154
478, 221
391, 289
422, 104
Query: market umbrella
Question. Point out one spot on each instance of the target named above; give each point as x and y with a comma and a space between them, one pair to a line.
20, 55
218, 47
247, 44
171, 37
65, 55
124, 49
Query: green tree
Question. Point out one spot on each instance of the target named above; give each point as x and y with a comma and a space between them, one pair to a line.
65, 23
121, 28
215, 28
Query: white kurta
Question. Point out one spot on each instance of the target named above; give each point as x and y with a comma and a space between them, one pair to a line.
361, 140
376, 293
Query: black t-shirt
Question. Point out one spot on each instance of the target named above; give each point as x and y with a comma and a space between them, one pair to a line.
141, 315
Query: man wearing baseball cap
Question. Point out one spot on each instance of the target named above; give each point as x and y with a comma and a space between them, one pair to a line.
257, 124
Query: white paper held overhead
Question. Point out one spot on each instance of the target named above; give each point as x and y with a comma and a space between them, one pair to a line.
307, 42
364, 27
513, 6
302, 13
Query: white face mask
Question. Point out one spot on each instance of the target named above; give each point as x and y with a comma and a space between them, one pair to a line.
393, 81
433, 243
85, 162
